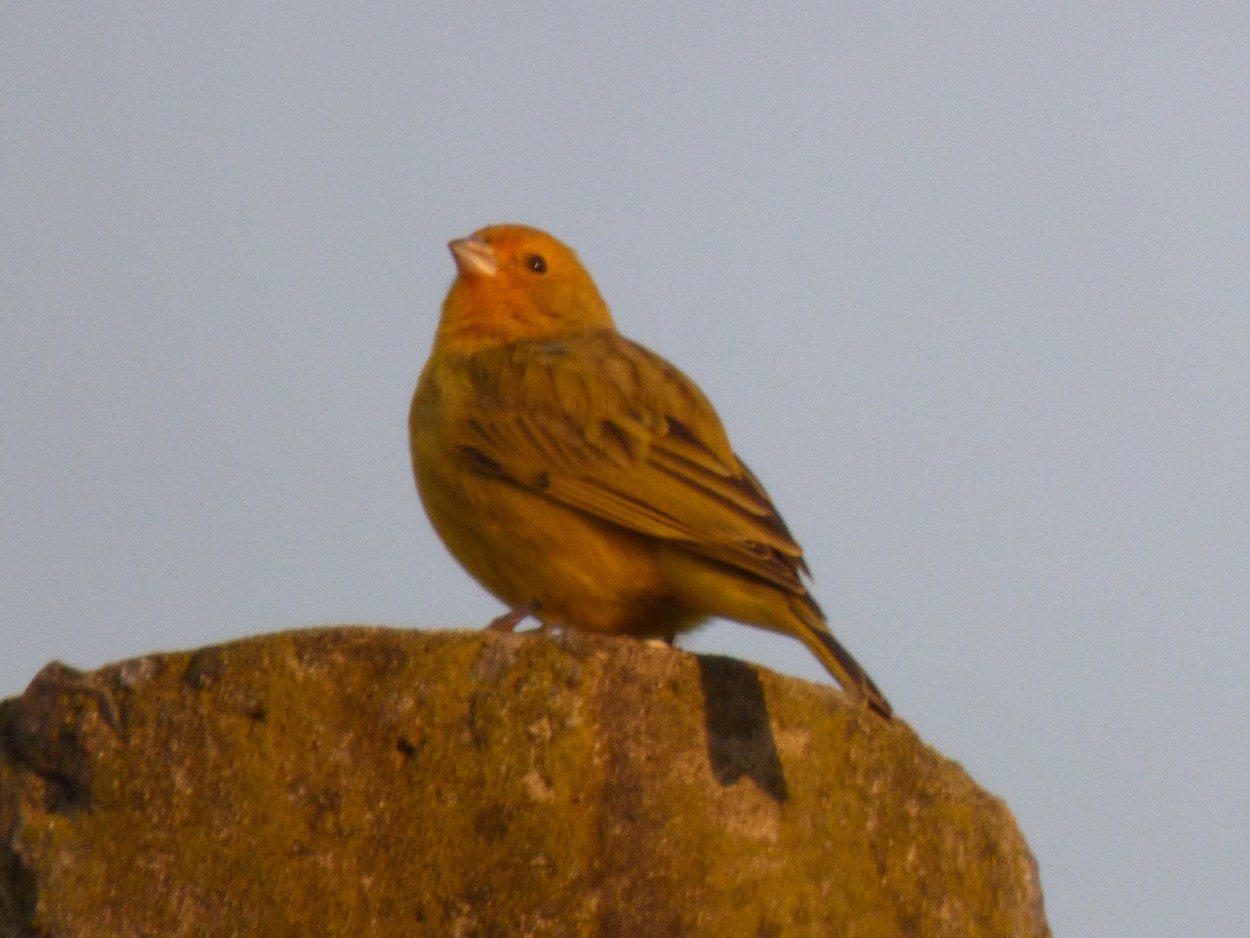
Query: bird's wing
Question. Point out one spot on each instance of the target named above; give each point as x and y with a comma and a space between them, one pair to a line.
600, 424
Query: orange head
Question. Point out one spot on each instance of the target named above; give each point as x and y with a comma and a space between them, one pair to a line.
517, 283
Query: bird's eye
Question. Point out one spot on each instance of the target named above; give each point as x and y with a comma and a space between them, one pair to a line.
536, 263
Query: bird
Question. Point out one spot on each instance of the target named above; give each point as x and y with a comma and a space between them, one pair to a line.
584, 480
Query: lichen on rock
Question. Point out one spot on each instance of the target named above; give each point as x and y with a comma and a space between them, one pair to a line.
367, 781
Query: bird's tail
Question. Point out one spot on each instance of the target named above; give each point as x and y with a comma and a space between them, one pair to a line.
813, 631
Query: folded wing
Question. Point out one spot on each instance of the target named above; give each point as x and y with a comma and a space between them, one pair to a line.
630, 440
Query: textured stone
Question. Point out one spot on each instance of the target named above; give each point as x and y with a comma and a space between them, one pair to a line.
363, 781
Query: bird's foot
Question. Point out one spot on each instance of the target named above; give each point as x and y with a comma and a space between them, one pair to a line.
511, 619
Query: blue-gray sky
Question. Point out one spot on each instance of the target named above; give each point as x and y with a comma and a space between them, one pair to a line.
968, 285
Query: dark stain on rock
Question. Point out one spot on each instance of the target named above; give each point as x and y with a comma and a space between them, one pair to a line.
739, 737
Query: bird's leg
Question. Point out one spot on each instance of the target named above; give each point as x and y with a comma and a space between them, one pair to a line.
511, 619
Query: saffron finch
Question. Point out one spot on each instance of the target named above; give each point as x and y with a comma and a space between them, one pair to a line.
584, 480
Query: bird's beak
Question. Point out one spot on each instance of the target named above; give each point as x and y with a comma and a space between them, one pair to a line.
474, 257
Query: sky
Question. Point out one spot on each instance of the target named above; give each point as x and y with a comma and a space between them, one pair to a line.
968, 285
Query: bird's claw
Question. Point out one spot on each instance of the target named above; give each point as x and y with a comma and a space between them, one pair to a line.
513, 617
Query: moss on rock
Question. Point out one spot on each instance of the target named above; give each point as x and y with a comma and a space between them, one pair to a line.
364, 781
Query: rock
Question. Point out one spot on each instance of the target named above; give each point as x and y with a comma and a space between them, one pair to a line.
364, 781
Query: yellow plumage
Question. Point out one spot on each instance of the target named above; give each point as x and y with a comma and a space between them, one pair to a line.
578, 476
